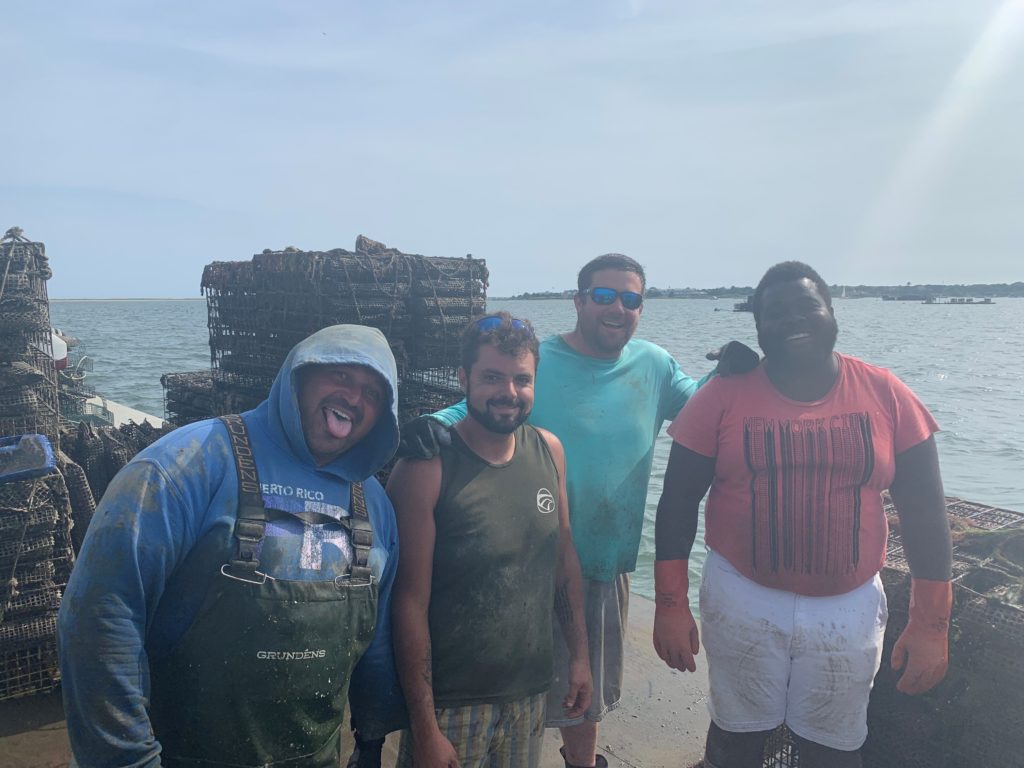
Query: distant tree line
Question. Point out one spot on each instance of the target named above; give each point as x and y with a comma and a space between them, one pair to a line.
975, 290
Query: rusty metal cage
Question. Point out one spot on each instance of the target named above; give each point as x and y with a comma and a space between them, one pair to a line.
975, 716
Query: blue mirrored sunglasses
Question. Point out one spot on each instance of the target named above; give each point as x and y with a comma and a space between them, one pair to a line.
493, 322
630, 299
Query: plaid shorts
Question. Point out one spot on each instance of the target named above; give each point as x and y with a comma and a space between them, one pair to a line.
489, 735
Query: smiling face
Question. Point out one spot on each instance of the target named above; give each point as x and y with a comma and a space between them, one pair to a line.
796, 326
607, 328
338, 406
499, 388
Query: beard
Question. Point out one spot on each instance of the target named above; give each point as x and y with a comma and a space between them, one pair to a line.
773, 344
500, 425
592, 333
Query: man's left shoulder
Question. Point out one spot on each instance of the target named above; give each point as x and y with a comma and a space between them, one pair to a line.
862, 370
546, 436
645, 346
643, 351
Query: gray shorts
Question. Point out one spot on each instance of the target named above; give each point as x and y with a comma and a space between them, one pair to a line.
605, 605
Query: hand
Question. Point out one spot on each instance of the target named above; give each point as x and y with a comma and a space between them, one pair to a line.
922, 650
422, 438
676, 638
925, 656
433, 750
581, 689
675, 632
734, 358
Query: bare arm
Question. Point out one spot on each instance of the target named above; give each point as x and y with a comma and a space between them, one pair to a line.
414, 487
569, 595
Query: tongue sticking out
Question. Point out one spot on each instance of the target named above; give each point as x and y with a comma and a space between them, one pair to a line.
339, 425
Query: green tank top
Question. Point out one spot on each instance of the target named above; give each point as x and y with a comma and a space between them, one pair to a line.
494, 574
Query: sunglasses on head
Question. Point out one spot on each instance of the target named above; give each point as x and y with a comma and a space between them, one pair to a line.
493, 323
630, 299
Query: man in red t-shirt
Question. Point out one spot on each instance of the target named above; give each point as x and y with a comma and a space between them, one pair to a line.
796, 455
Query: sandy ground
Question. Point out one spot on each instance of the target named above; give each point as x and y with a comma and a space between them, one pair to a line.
661, 722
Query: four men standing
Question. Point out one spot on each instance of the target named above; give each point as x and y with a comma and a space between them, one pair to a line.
193, 565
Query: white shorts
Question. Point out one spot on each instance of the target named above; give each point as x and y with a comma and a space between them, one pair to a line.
777, 657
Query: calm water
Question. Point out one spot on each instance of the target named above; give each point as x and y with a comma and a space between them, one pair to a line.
966, 363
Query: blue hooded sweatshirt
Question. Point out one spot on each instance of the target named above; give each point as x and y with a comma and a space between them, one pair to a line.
140, 579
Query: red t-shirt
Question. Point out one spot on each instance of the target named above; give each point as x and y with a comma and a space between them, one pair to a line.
796, 499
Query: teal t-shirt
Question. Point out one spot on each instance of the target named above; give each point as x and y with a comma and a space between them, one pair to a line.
607, 413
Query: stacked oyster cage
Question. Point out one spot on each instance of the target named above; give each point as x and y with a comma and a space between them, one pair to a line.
259, 309
975, 716
28, 379
35, 561
97, 453
35, 518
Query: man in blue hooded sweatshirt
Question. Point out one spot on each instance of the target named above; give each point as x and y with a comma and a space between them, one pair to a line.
234, 574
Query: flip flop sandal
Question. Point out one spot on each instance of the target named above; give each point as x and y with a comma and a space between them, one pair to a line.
599, 761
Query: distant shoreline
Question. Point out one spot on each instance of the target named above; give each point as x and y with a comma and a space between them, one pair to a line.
858, 293
142, 298
743, 293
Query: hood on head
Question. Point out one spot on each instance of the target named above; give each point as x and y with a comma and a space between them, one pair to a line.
339, 344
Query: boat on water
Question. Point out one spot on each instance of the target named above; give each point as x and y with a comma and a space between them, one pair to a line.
908, 296
78, 400
959, 302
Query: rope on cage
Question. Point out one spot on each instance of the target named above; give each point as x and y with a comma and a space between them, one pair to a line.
440, 312
352, 291
394, 290
7, 269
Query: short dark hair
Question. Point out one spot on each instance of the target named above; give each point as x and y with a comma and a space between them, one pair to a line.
785, 272
617, 261
510, 339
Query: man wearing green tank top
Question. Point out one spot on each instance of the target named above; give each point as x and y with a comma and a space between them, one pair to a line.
487, 554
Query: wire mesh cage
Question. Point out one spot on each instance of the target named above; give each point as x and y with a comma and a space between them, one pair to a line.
100, 451
196, 395
975, 716
35, 561
29, 670
258, 310
28, 378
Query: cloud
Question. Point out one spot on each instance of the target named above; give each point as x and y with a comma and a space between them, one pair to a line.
707, 139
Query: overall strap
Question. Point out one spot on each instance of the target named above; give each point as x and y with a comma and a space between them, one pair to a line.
361, 532
251, 523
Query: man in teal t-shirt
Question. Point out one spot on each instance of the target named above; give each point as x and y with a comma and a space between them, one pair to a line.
605, 395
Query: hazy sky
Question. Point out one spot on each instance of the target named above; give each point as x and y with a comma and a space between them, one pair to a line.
879, 141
